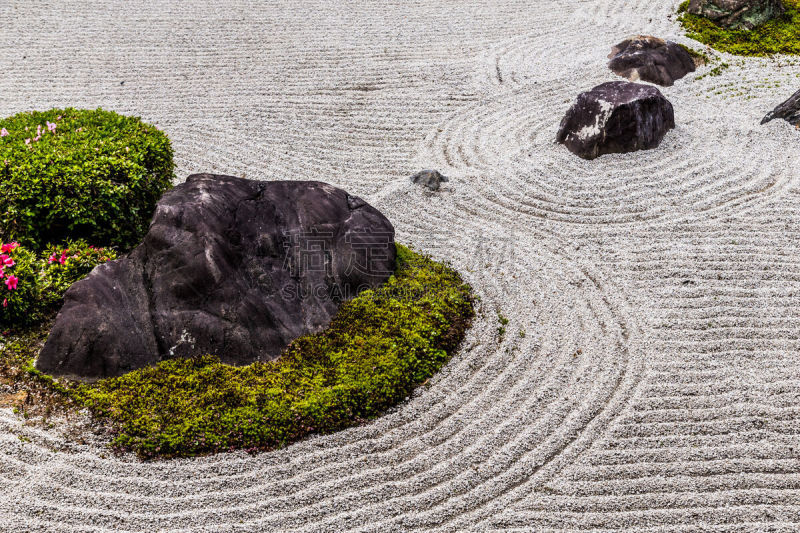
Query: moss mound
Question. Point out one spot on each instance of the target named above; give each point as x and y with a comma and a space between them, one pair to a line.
379, 346
80, 174
778, 36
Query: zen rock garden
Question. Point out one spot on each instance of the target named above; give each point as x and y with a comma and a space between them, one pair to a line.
254, 273
422, 266
256, 299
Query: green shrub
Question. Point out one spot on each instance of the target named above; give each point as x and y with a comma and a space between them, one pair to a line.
780, 35
34, 283
70, 174
378, 347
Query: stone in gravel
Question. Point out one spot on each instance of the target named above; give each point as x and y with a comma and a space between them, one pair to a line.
649, 58
737, 14
788, 111
229, 266
616, 117
431, 179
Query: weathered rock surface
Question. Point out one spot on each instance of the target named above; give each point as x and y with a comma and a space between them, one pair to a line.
616, 117
737, 14
431, 179
229, 266
649, 58
788, 111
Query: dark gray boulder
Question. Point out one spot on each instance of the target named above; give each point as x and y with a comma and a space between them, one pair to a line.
616, 117
431, 179
649, 58
788, 111
737, 14
231, 267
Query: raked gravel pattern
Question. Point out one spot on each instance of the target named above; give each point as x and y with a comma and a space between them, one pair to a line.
649, 377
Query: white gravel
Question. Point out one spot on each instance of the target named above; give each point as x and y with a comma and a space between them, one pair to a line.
656, 387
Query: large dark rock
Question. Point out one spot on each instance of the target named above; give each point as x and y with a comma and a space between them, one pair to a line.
737, 14
229, 266
788, 111
649, 58
616, 117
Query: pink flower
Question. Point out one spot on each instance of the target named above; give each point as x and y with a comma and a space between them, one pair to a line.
63, 257
9, 247
51, 126
5, 302
27, 141
6, 261
52, 258
3, 132
11, 282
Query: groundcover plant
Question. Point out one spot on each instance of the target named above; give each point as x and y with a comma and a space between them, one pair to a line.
778, 36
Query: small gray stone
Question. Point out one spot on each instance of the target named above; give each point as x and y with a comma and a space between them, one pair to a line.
429, 178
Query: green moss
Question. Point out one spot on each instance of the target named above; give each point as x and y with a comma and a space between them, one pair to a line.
699, 58
378, 348
716, 71
778, 36
503, 321
70, 174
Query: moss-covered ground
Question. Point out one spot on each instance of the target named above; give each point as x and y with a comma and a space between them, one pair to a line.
378, 348
778, 36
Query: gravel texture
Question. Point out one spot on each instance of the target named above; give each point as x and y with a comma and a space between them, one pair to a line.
656, 385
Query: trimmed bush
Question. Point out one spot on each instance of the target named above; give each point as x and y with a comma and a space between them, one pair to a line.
780, 35
80, 174
378, 347
33, 284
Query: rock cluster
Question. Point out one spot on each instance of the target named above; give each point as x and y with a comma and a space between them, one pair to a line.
231, 267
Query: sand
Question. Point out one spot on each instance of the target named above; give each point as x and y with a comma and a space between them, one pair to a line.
648, 379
